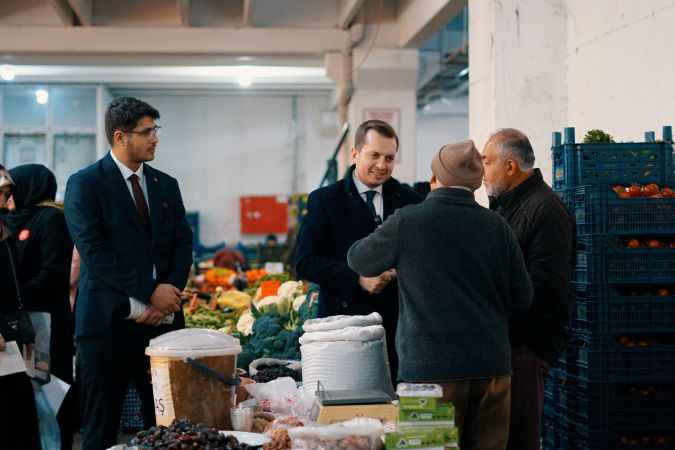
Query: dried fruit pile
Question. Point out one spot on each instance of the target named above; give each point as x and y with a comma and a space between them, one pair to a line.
182, 434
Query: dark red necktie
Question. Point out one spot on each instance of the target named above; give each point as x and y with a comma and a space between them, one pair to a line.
141, 205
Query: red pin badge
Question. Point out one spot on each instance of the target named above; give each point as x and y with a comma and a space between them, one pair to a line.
24, 234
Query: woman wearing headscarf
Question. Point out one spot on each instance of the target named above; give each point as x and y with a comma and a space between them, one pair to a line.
18, 414
44, 250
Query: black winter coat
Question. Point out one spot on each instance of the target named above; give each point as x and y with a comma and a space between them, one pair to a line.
44, 276
337, 216
547, 236
8, 299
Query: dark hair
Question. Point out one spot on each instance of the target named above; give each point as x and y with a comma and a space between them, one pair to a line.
381, 127
124, 113
515, 143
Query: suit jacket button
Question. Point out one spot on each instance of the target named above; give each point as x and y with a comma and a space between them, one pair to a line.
344, 305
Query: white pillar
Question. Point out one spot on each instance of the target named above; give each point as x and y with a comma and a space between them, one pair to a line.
385, 86
517, 71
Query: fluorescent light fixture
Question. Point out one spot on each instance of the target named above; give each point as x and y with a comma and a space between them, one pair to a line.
244, 81
7, 72
244, 74
41, 96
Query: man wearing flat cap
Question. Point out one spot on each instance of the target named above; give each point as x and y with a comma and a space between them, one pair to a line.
461, 274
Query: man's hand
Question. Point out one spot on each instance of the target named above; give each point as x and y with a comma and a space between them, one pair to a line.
375, 285
151, 316
3, 345
166, 298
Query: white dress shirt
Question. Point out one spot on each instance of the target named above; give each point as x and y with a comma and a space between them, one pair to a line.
137, 307
126, 173
378, 201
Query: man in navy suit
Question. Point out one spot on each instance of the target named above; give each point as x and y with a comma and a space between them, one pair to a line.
128, 223
342, 213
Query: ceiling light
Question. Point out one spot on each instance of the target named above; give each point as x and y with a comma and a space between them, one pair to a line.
7, 72
41, 96
464, 72
245, 81
244, 58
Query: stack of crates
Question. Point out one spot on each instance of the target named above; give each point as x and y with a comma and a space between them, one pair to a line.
614, 387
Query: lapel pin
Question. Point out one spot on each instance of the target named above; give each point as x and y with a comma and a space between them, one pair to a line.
155, 179
24, 234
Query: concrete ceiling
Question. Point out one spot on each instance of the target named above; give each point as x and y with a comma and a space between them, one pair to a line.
223, 27
208, 32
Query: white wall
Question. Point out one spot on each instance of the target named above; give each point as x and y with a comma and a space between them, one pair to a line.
439, 126
221, 147
621, 66
518, 71
540, 66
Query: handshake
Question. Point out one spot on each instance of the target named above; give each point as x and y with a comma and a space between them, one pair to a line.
375, 285
164, 302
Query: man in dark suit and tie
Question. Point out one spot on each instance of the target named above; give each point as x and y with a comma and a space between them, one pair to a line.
128, 223
349, 210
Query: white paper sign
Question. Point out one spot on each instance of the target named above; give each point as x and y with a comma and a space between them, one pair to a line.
11, 360
274, 268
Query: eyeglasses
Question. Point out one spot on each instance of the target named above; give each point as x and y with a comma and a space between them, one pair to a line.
148, 132
5, 193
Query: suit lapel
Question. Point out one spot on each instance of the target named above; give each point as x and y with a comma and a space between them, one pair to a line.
155, 200
120, 192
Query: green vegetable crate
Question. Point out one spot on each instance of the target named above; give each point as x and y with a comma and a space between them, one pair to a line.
422, 438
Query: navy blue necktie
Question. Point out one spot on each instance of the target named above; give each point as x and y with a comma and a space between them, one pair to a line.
370, 195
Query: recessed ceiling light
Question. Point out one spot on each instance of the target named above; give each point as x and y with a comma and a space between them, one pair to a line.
7, 72
41, 96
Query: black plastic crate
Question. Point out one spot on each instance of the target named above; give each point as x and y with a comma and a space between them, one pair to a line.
617, 309
617, 405
583, 437
554, 436
599, 210
606, 259
611, 163
622, 359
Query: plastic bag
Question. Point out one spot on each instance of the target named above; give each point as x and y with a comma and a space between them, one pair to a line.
353, 358
39, 366
281, 396
355, 434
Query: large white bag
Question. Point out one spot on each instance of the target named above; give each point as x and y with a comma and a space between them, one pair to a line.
340, 322
352, 358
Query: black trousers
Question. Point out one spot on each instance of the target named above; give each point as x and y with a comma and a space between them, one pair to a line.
18, 414
105, 367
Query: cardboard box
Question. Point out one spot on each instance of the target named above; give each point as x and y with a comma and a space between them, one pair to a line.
327, 415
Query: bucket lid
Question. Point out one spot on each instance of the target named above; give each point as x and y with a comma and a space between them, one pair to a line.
193, 343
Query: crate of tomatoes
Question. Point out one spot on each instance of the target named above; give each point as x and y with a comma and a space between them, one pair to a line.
634, 209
